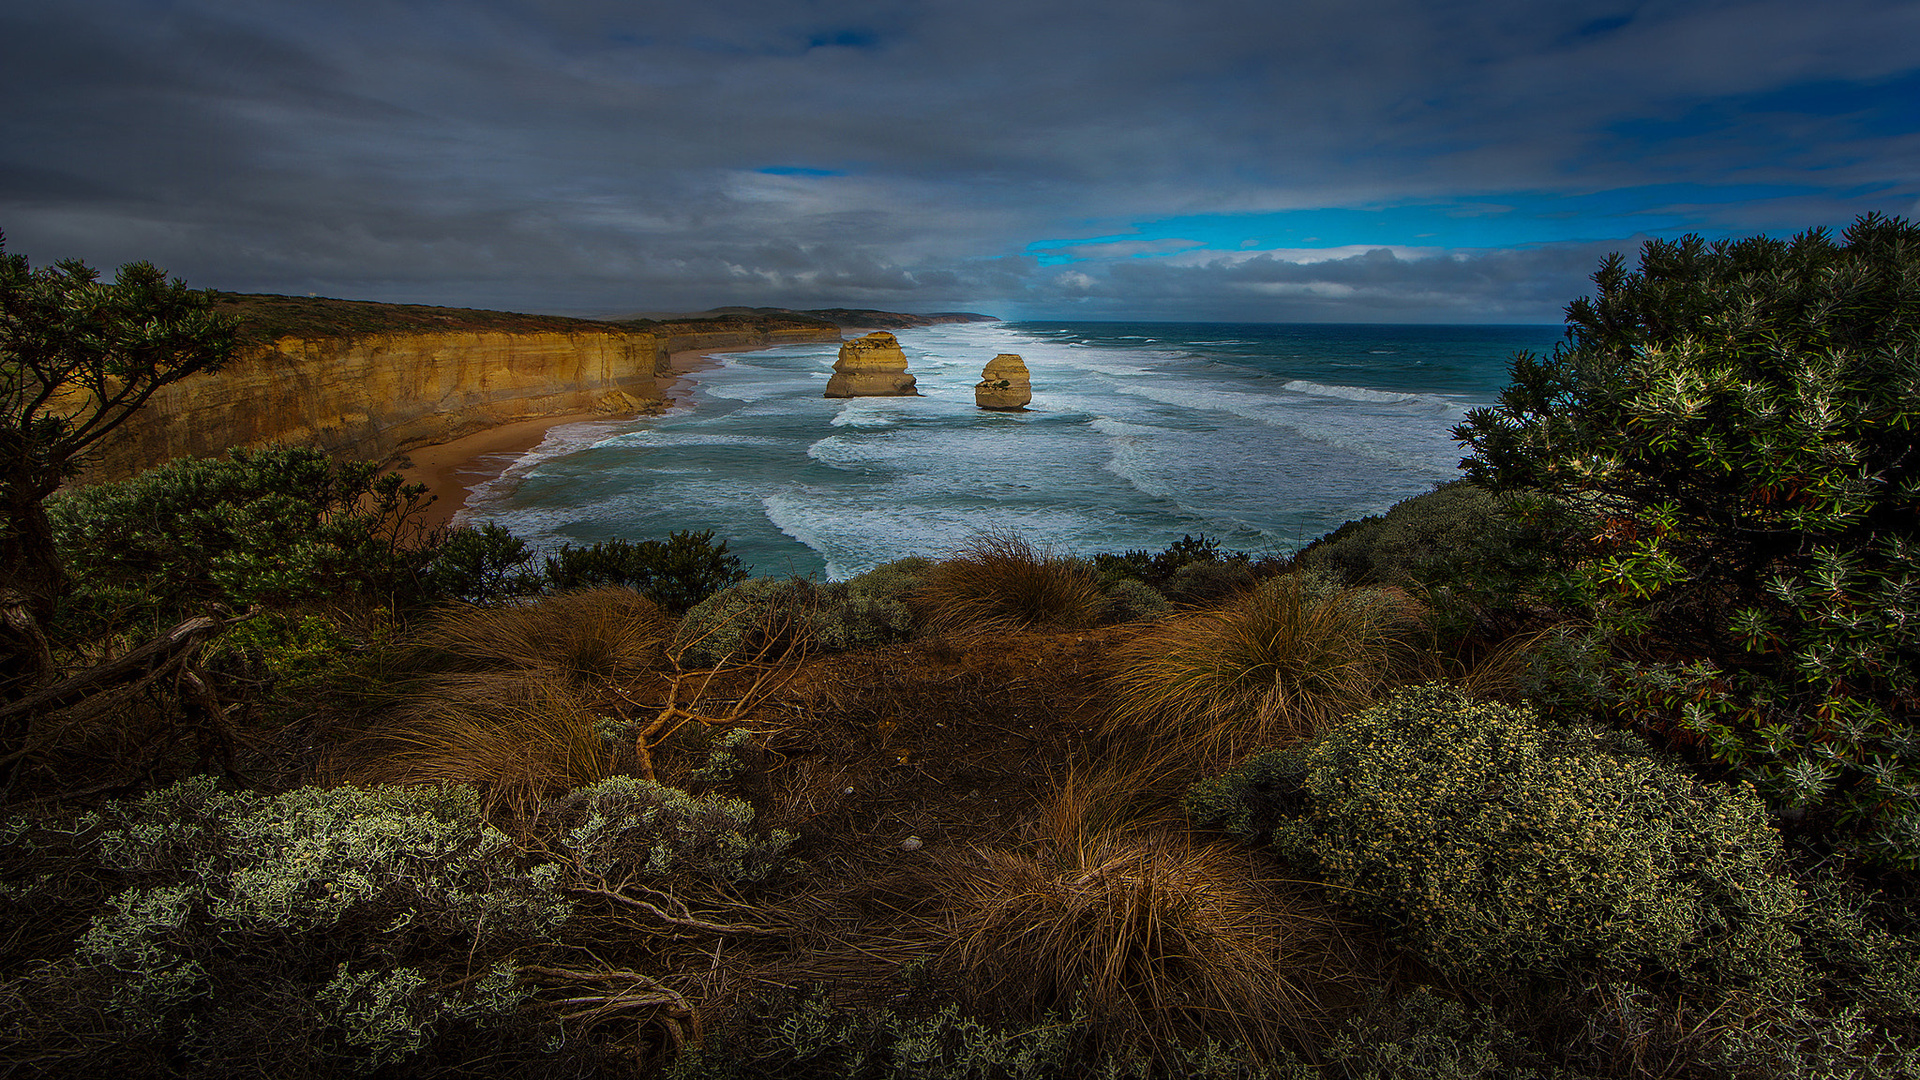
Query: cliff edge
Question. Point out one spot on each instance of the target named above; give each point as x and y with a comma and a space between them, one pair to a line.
370, 381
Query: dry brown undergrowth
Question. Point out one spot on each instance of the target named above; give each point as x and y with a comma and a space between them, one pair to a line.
1157, 937
998, 581
1274, 664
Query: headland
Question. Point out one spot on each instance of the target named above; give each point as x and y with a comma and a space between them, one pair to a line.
435, 390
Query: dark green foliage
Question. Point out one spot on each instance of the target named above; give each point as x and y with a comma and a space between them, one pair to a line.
1736, 424
1209, 581
1502, 851
1210, 574
1483, 564
272, 527
1446, 524
809, 1038
78, 356
480, 565
675, 573
1129, 599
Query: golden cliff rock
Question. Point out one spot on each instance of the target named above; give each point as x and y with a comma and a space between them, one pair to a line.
1005, 384
872, 366
371, 397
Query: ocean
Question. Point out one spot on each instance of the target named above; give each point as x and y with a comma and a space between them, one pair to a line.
1261, 436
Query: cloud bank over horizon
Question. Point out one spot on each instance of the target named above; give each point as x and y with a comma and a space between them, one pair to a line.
1375, 161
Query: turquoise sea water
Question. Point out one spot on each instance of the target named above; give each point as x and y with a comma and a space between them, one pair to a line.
1262, 436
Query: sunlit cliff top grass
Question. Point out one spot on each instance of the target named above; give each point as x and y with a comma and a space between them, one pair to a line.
267, 316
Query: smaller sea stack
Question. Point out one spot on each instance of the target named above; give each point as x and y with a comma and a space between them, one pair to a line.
1004, 384
872, 366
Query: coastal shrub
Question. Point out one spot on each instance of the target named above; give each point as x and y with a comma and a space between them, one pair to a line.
1158, 941
1400, 546
1734, 422
321, 931
1201, 583
272, 526
481, 565
808, 1037
998, 581
290, 656
623, 827
770, 618
1503, 851
1278, 662
1129, 600
1159, 569
676, 573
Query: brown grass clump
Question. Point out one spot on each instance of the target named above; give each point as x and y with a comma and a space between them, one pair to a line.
595, 634
519, 740
998, 581
1275, 664
1156, 939
502, 697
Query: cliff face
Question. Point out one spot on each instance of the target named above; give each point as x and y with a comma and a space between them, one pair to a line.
370, 397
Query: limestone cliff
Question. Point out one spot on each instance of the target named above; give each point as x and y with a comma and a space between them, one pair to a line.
372, 396
872, 366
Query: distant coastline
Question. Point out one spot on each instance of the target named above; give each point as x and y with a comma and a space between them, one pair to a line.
363, 380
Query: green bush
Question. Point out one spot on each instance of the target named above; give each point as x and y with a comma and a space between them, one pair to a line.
1504, 851
481, 565
623, 826
332, 930
270, 526
769, 618
1129, 600
675, 573
1734, 424
1159, 570
809, 1038
1400, 547
293, 656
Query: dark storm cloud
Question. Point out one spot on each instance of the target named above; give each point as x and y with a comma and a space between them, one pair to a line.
605, 157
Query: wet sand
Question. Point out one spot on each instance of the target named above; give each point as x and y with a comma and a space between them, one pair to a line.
451, 470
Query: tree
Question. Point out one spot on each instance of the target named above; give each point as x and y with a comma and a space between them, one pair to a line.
78, 356
1737, 422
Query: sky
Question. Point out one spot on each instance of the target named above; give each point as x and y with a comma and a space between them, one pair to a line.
1401, 161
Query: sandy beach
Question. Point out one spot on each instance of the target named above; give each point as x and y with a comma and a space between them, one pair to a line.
451, 470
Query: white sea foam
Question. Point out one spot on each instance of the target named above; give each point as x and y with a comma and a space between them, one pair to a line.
1126, 445
1378, 397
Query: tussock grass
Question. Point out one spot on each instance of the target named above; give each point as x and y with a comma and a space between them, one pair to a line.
1275, 664
519, 740
998, 581
595, 634
1156, 939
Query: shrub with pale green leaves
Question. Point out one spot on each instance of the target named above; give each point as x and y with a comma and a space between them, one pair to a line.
1502, 850
625, 827
770, 618
335, 930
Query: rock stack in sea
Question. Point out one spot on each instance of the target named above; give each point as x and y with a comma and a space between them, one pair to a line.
1004, 384
872, 366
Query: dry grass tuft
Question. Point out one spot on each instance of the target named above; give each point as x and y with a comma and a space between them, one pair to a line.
1275, 664
595, 634
520, 740
998, 581
1158, 940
